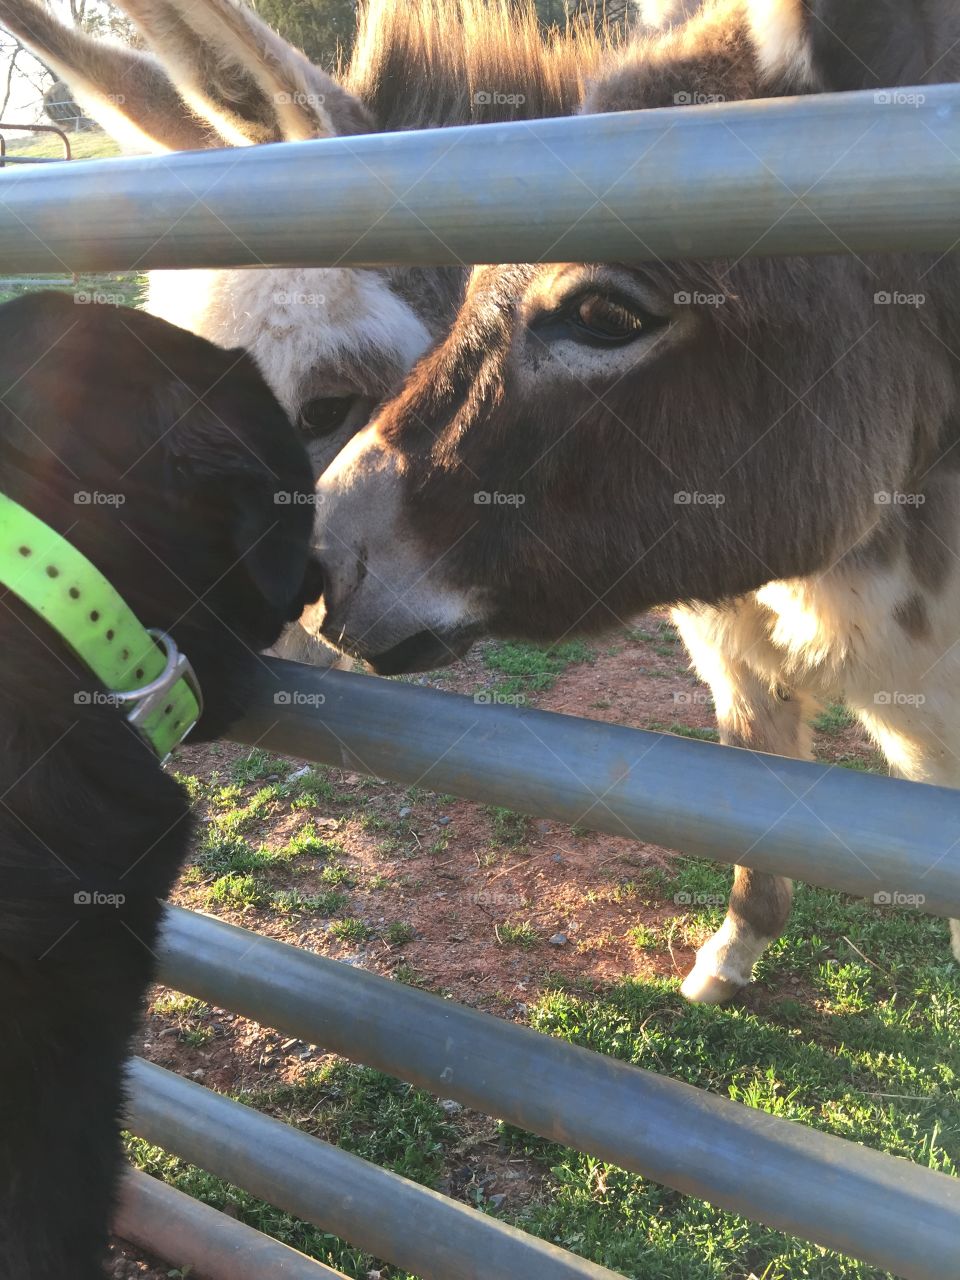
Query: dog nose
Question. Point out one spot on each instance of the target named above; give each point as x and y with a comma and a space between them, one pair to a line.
313, 582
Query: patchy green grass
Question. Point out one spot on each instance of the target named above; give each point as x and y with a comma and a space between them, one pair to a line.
398, 934
865, 1048
833, 719
351, 930
508, 828
92, 144
379, 1119
524, 935
855, 1030
525, 668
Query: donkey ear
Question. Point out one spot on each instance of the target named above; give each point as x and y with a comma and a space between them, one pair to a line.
241, 76
124, 90
837, 45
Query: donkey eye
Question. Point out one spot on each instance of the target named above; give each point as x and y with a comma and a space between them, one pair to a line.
600, 319
324, 415
597, 320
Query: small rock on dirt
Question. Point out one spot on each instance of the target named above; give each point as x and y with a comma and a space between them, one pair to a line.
559, 940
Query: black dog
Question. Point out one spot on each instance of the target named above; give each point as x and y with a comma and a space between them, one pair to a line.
160, 457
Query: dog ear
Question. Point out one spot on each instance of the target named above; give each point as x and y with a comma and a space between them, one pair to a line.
38, 384
240, 464
271, 538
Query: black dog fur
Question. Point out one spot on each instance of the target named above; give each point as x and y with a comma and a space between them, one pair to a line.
114, 404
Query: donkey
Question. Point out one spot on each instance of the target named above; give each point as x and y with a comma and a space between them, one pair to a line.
782, 467
331, 342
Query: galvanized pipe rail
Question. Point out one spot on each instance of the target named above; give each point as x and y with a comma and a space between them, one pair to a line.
886, 1211
188, 1233
389, 1216
865, 835
828, 173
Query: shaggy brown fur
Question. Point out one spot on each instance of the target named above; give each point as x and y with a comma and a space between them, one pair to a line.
782, 462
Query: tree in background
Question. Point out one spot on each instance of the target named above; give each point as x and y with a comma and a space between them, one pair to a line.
323, 29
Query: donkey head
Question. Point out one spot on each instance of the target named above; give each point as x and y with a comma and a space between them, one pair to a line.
331, 342
592, 440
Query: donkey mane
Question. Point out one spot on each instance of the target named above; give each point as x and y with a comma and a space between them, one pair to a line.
429, 63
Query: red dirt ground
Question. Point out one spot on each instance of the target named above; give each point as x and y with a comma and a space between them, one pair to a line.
561, 881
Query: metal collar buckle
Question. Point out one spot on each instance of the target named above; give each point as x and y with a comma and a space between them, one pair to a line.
151, 698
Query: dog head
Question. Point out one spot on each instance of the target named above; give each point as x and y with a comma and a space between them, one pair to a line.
169, 464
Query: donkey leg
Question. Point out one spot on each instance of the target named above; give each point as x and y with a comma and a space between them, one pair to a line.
750, 715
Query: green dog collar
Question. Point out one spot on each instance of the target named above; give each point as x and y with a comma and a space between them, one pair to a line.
142, 670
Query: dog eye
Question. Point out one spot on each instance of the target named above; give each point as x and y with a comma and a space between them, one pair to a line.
324, 415
597, 318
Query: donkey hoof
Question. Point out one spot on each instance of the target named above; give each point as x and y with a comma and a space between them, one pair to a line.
706, 988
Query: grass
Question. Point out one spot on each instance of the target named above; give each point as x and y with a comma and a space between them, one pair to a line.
508, 828
92, 144
867, 1049
399, 934
517, 935
351, 930
379, 1119
853, 1028
525, 668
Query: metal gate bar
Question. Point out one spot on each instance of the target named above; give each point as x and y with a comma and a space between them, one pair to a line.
826, 173
887, 1211
829, 826
380, 1212
187, 1232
